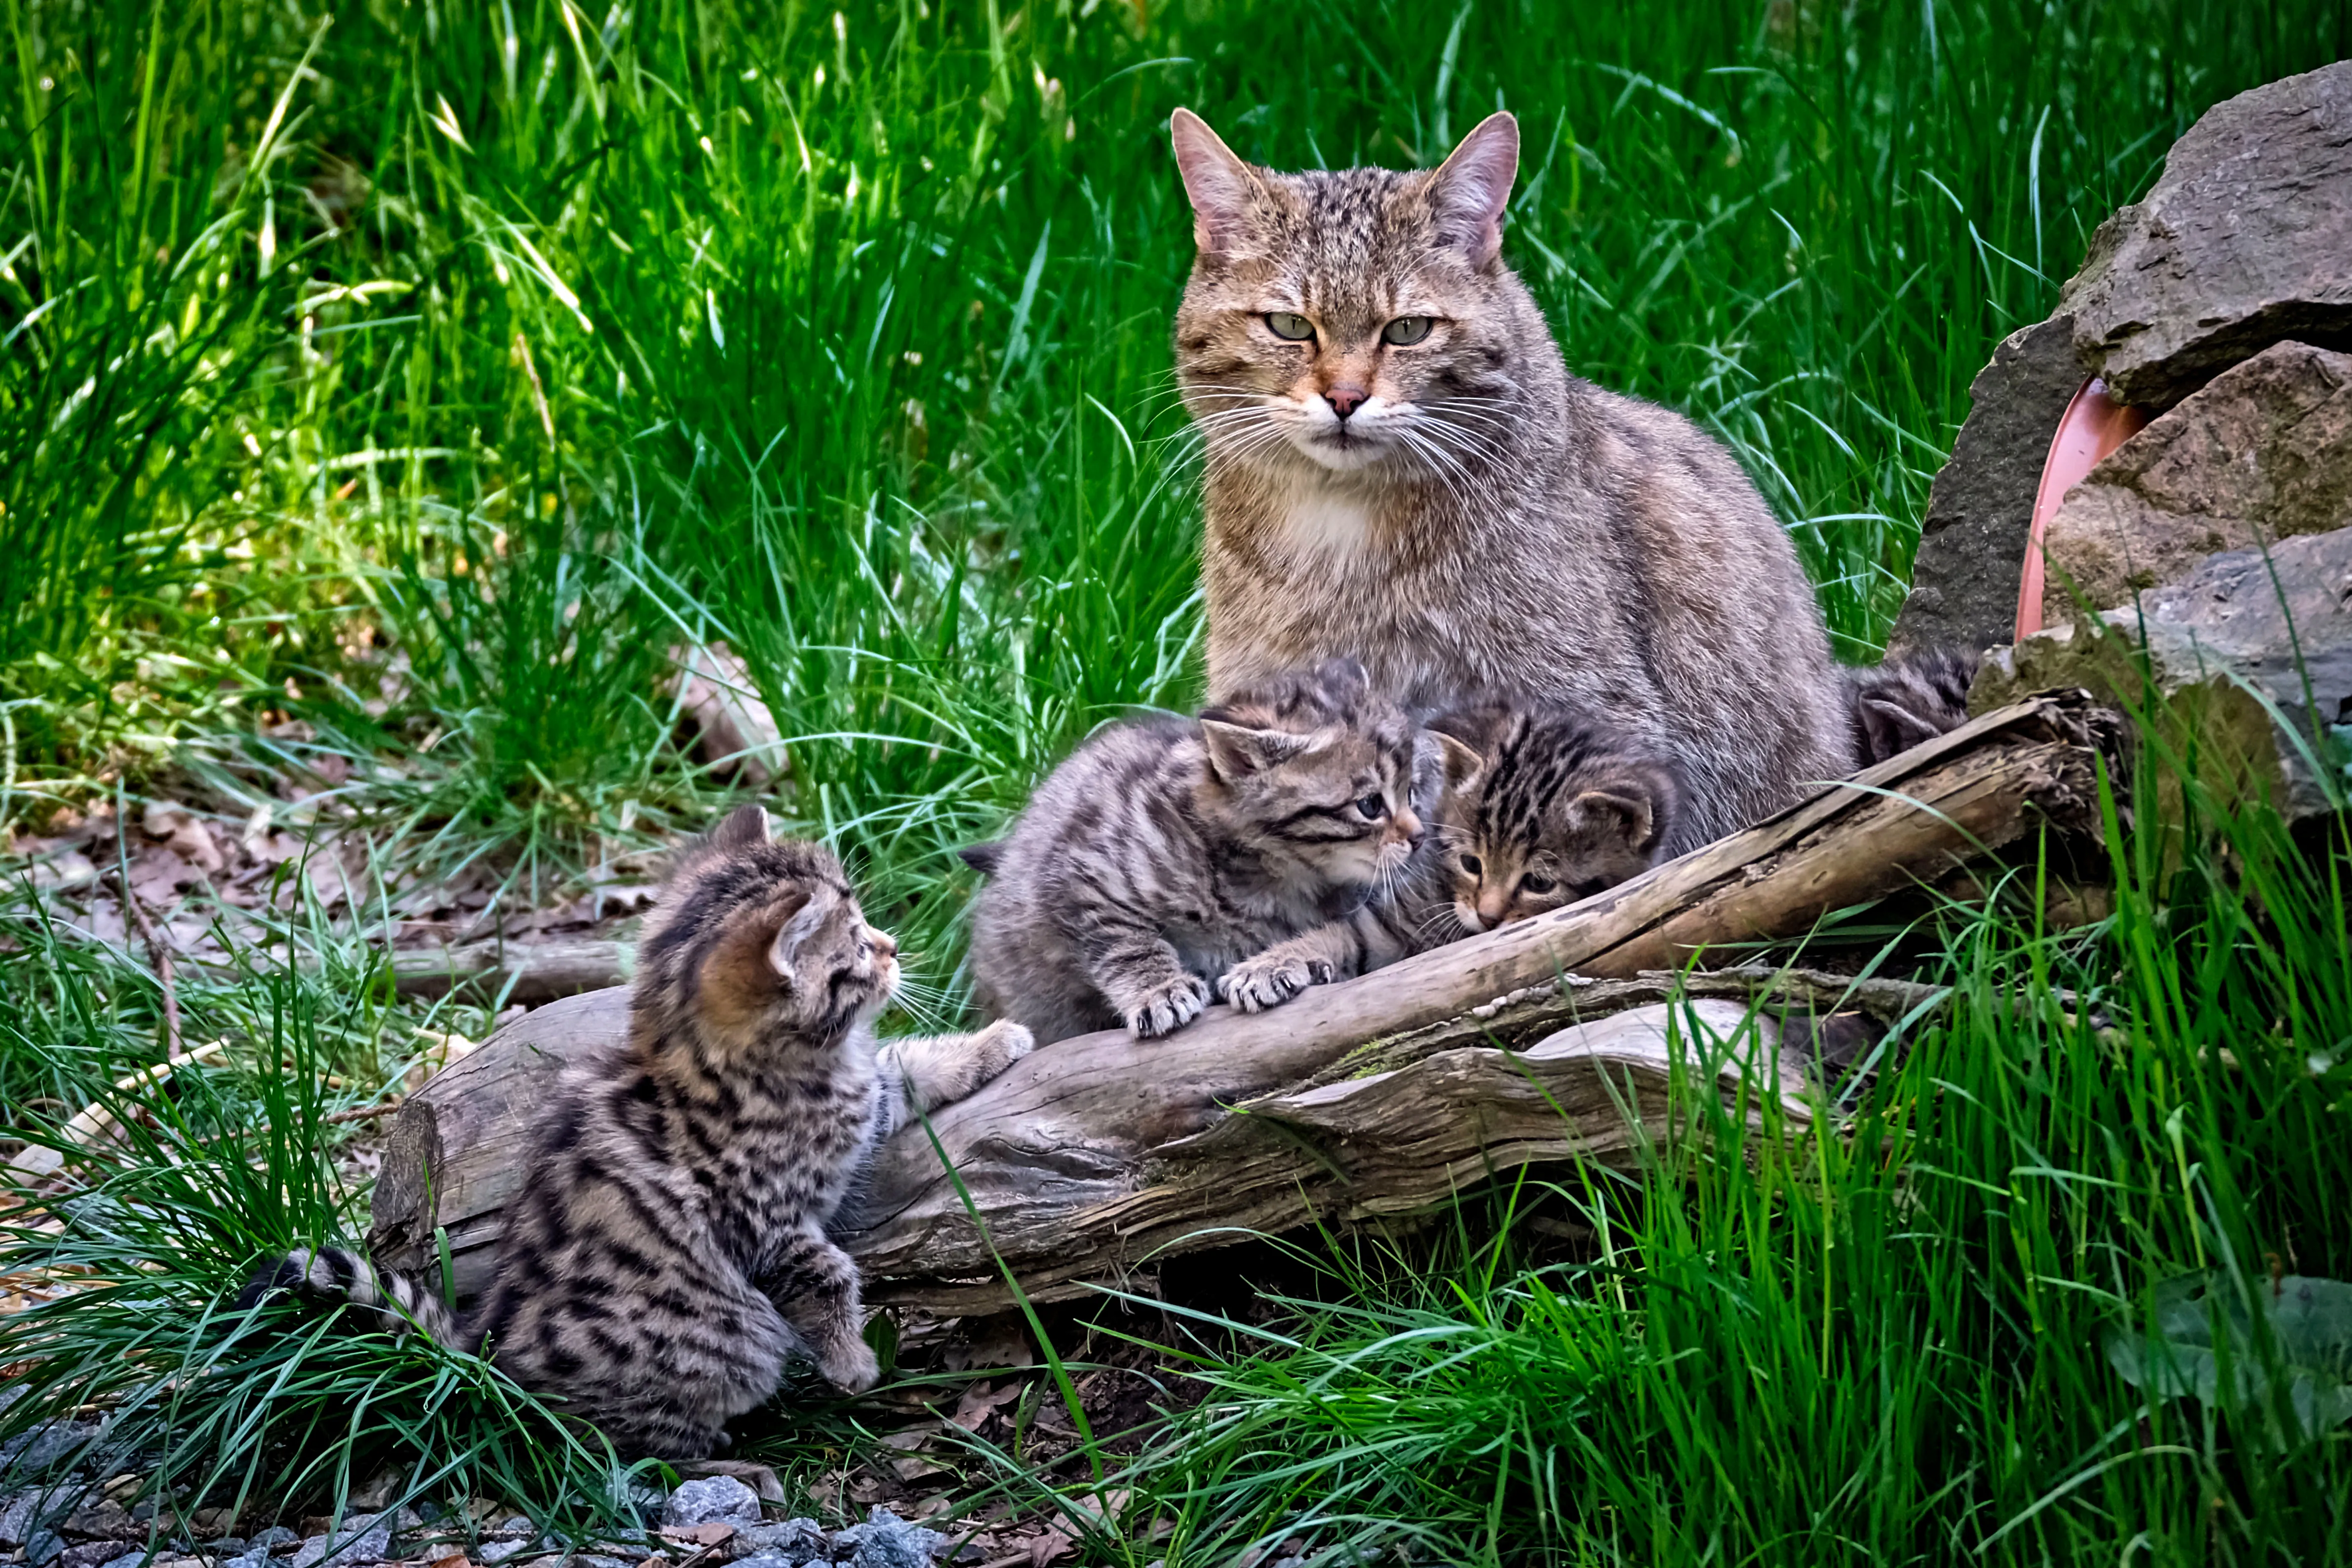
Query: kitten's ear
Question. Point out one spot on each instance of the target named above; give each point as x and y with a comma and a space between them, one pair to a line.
1221, 185
1343, 677
1892, 727
1462, 763
1236, 752
802, 921
1471, 188
745, 827
1637, 808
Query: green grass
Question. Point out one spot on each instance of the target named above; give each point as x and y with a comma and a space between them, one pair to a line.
428, 374
532, 341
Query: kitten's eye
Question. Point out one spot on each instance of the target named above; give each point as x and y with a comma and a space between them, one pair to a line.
1531, 883
1372, 807
1405, 331
1289, 328
1472, 865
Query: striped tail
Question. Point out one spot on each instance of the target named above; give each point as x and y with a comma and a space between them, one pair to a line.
334, 1273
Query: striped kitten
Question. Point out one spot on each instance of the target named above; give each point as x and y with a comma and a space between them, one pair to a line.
668, 1254
1166, 850
1907, 700
1541, 807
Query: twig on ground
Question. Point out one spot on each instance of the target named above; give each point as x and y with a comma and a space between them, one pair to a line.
161, 957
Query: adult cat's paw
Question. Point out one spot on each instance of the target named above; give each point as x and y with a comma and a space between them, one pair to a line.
1269, 979
998, 1046
1164, 1009
850, 1366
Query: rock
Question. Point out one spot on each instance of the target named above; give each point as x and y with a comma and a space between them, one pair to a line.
713, 1498
2219, 646
761, 1479
134, 1557
96, 1554
45, 1445
1972, 542
47, 1545
29, 1513
2262, 453
104, 1518
494, 1551
794, 1538
2245, 240
363, 1538
271, 1539
886, 1540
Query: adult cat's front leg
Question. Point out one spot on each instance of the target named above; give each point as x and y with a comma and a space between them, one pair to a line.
814, 1284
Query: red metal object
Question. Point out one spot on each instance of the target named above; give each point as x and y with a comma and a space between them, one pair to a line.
2094, 426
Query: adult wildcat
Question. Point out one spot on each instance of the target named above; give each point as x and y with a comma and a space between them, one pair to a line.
668, 1252
1401, 468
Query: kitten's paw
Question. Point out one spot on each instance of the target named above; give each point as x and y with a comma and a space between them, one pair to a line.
1267, 981
1165, 1009
850, 1366
999, 1046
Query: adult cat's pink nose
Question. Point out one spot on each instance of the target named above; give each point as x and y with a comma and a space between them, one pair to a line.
1344, 400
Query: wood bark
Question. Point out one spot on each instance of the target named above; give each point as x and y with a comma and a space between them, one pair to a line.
526, 972
1390, 1092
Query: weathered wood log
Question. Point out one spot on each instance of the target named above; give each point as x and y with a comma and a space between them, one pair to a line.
526, 972
1370, 1097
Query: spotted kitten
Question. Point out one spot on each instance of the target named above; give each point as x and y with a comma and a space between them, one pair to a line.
668, 1254
1541, 807
1165, 851
1908, 699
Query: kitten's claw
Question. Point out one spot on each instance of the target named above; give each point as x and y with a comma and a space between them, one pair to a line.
1167, 1008
850, 1366
1256, 983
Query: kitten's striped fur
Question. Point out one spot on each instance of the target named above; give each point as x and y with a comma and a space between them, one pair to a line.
1910, 698
668, 1253
1400, 467
1541, 807
1166, 850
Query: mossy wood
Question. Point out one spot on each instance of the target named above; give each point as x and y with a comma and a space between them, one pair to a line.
1545, 1040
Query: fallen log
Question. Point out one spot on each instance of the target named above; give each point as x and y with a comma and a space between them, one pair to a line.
1385, 1093
526, 972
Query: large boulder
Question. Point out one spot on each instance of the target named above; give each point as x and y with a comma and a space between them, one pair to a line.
2249, 657
2245, 240
2262, 453
1964, 578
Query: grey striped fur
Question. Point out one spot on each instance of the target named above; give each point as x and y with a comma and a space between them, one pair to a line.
1541, 807
1482, 525
1165, 851
1910, 698
668, 1254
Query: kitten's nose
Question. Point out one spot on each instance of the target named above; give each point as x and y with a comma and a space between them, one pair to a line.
884, 945
1492, 903
1344, 400
1408, 826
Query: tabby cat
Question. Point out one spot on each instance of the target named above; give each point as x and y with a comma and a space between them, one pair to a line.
1400, 467
1165, 851
1910, 698
1541, 807
668, 1254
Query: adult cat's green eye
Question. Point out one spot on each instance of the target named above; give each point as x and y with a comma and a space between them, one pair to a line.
1283, 324
1405, 331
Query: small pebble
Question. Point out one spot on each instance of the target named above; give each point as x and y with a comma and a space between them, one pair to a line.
712, 1499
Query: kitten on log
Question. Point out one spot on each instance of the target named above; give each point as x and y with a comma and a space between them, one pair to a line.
668, 1254
1165, 851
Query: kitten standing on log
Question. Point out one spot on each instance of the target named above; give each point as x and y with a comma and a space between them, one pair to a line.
668, 1253
1401, 468
1541, 808
1165, 851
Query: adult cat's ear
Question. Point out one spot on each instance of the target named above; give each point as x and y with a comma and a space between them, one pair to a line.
1470, 188
745, 827
1220, 185
1236, 752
